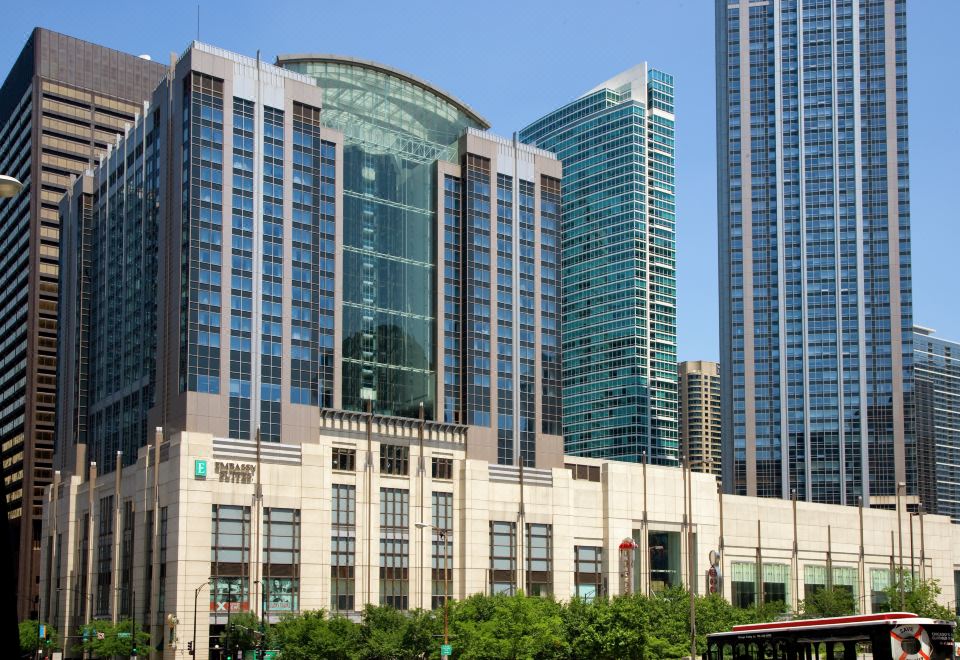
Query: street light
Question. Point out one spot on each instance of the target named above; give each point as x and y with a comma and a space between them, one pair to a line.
9, 187
442, 533
196, 594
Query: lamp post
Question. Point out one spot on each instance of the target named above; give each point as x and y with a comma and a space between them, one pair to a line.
196, 595
442, 533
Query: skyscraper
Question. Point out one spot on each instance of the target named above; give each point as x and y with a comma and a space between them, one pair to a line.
700, 426
814, 250
618, 259
936, 367
62, 103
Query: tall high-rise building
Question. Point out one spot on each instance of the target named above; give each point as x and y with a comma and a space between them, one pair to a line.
63, 102
618, 260
936, 368
814, 251
227, 265
700, 427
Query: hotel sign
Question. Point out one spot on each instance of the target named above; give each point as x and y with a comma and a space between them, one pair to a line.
237, 473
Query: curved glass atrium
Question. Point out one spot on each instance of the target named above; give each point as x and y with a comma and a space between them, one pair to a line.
395, 128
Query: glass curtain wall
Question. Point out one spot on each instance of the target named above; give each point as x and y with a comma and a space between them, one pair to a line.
394, 132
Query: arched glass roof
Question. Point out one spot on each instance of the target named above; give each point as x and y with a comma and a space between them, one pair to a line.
377, 94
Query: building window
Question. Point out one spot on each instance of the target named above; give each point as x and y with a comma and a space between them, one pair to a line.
743, 578
814, 579
664, 560
588, 572
394, 547
442, 468
503, 557
230, 559
539, 560
880, 580
956, 591
104, 555
343, 548
845, 577
281, 560
442, 548
344, 459
776, 583
395, 459
584, 472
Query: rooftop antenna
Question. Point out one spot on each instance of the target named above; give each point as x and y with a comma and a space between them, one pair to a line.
198, 21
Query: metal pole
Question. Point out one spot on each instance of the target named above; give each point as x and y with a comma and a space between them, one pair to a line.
900, 545
691, 557
196, 595
446, 592
912, 558
720, 497
923, 550
645, 554
369, 522
421, 471
796, 551
117, 532
861, 565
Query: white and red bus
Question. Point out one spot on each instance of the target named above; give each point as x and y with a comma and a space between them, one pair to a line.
889, 636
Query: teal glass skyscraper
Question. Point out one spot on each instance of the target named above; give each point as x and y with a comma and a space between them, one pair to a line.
814, 235
616, 143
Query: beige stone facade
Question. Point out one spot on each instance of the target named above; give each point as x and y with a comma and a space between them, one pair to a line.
599, 509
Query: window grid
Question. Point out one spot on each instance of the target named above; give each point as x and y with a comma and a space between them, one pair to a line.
271, 339
281, 560
395, 547
503, 558
343, 549
539, 560
441, 554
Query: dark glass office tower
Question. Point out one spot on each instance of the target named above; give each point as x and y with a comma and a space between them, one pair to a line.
814, 225
61, 104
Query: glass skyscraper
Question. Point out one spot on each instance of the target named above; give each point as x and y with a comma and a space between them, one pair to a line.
618, 258
937, 403
814, 225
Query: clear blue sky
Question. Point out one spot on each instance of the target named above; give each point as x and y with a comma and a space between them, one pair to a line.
515, 61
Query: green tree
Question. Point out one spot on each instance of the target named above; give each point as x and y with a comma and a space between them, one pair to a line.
606, 630
508, 628
242, 632
119, 639
716, 614
826, 602
920, 598
312, 635
30, 637
388, 634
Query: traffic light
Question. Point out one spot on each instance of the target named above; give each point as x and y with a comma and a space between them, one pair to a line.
190, 648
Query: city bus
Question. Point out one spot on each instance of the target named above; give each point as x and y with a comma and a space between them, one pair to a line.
888, 636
